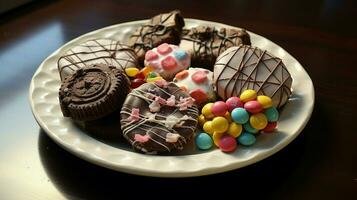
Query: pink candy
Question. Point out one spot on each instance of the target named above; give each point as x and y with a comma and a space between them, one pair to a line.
199, 76
253, 107
168, 63
151, 55
199, 95
227, 143
233, 102
141, 138
219, 108
164, 48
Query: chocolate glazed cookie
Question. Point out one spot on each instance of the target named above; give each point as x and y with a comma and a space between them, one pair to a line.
158, 117
162, 28
109, 52
93, 92
246, 67
206, 43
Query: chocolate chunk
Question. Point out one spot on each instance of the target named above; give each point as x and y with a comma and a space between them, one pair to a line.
206, 43
162, 28
157, 118
104, 51
245, 67
93, 92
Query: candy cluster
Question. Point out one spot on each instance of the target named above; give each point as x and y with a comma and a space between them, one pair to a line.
238, 120
139, 77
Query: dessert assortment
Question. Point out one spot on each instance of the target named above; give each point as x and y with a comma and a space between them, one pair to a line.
173, 85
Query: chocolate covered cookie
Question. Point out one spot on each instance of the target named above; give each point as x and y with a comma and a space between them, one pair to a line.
104, 51
162, 28
158, 117
206, 43
246, 67
93, 92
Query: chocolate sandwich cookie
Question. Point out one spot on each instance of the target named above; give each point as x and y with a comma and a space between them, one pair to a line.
104, 51
162, 28
158, 117
246, 67
93, 92
206, 43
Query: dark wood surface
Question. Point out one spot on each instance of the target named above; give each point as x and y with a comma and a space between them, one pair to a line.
319, 164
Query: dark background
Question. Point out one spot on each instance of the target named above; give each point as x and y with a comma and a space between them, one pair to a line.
319, 164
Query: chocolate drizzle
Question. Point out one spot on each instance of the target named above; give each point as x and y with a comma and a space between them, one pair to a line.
158, 126
93, 92
206, 43
103, 51
245, 67
163, 28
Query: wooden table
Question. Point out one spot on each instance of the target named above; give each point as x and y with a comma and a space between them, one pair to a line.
319, 164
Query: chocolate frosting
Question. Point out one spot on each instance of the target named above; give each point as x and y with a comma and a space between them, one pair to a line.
104, 51
246, 67
205, 43
93, 92
161, 125
162, 28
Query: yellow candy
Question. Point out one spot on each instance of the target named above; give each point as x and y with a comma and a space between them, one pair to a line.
131, 72
220, 124
228, 117
206, 111
149, 80
234, 129
248, 95
201, 120
216, 137
265, 101
258, 121
146, 70
207, 127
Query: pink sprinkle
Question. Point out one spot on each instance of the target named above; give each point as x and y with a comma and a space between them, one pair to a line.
151, 55
172, 137
185, 103
199, 76
161, 83
141, 138
154, 106
171, 101
169, 63
164, 48
134, 116
160, 100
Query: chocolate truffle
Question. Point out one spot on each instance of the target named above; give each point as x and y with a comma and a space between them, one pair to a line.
162, 28
206, 43
104, 51
158, 117
246, 67
93, 92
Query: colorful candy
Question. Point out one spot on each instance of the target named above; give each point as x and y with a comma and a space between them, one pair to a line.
238, 119
240, 115
227, 143
131, 72
219, 108
220, 124
246, 139
258, 121
203, 141
137, 82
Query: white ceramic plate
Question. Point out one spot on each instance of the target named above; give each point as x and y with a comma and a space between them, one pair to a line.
44, 102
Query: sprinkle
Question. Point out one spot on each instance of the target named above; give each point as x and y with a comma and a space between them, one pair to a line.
185, 103
154, 106
141, 138
172, 137
160, 100
161, 83
171, 101
134, 116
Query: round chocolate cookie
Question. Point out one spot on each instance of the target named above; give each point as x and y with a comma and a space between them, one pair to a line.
158, 117
246, 67
93, 92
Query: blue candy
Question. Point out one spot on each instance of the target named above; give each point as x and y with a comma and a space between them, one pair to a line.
204, 141
247, 127
240, 115
272, 114
180, 54
246, 139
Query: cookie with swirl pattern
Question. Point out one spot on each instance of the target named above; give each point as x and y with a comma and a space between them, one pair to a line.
162, 28
93, 92
158, 117
206, 43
